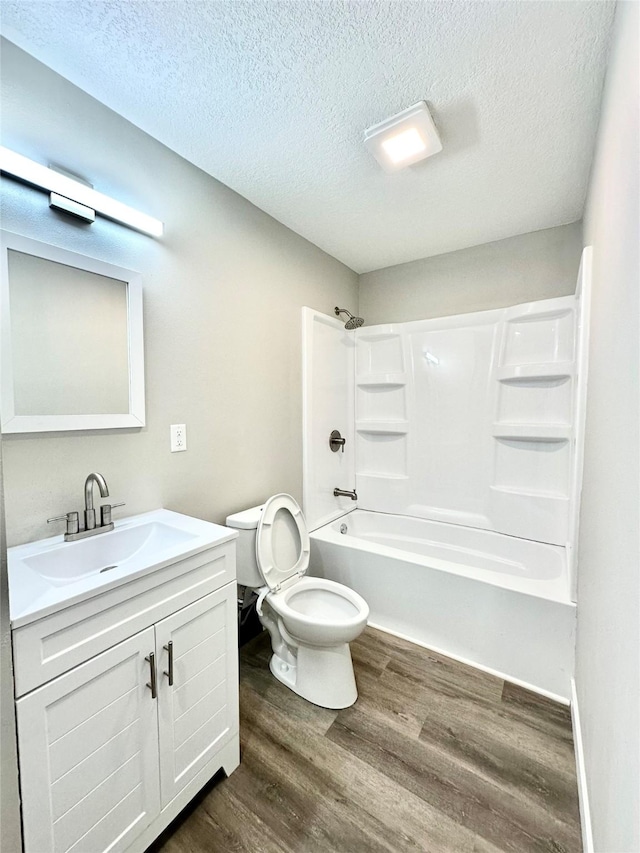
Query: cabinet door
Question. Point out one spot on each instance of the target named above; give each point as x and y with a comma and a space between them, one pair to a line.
198, 713
88, 749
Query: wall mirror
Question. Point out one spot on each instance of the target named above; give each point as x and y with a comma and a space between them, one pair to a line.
72, 343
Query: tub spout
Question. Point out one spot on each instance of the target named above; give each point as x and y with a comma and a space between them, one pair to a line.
343, 493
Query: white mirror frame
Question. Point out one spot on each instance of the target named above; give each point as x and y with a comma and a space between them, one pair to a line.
12, 423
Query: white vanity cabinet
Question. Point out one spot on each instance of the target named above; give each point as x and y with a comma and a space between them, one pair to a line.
201, 707
110, 751
89, 754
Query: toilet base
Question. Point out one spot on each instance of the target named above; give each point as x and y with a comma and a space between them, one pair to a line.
283, 671
322, 676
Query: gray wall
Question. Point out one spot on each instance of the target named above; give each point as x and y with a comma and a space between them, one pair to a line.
9, 803
608, 638
532, 266
222, 295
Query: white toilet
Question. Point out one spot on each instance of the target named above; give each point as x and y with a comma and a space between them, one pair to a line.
311, 620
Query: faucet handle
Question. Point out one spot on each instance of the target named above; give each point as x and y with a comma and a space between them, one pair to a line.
72, 519
105, 513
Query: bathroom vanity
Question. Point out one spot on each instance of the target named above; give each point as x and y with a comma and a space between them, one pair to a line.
126, 677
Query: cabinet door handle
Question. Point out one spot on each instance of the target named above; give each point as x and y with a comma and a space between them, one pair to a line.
153, 685
169, 674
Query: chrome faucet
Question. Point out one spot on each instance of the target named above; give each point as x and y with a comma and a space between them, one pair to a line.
73, 531
343, 493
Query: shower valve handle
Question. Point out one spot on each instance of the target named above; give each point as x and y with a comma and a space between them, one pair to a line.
336, 441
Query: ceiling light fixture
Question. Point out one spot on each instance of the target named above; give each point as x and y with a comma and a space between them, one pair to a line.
76, 192
403, 139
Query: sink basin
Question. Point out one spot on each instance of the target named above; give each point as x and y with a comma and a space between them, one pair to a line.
49, 574
61, 564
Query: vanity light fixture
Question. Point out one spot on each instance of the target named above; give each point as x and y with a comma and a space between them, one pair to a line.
75, 197
403, 139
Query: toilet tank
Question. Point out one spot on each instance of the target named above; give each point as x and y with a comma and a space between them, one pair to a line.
246, 523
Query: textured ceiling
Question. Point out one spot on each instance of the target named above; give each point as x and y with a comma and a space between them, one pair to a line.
272, 98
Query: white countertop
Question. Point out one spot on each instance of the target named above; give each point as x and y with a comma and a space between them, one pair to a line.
153, 540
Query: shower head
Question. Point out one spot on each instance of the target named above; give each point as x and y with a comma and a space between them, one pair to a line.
352, 322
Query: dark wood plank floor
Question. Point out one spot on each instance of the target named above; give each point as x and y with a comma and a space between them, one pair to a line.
434, 756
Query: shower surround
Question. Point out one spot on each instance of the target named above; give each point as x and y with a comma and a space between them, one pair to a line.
464, 443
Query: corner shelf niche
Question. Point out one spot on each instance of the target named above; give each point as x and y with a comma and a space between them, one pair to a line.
536, 335
533, 421
530, 512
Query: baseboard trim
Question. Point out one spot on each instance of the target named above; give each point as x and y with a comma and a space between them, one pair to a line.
583, 792
555, 697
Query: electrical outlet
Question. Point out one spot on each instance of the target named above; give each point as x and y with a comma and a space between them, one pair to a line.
178, 437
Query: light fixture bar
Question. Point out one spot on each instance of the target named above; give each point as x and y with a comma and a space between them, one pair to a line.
51, 181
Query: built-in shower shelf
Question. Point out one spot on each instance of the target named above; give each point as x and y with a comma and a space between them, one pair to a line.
387, 332
383, 427
530, 493
536, 372
532, 432
533, 313
376, 475
373, 380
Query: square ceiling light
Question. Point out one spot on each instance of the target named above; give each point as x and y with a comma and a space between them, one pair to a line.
403, 139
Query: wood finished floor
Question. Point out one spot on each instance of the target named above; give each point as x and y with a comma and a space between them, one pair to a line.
434, 756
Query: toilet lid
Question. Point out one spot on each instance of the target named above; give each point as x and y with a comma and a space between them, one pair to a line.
282, 541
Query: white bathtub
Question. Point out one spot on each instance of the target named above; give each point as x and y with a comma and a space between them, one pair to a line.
494, 601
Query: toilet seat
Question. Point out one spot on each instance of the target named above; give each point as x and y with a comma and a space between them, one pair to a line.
346, 610
279, 556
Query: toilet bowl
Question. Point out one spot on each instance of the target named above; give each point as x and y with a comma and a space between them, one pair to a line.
311, 621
